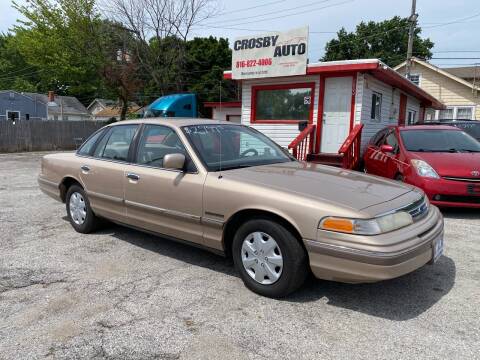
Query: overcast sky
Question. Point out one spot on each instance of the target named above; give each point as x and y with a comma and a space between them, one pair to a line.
452, 25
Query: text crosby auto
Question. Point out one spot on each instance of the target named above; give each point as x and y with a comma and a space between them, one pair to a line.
232, 190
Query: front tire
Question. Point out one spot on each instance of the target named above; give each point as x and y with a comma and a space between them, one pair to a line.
269, 258
79, 212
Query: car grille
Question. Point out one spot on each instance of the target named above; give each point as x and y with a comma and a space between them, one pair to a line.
461, 179
458, 199
418, 209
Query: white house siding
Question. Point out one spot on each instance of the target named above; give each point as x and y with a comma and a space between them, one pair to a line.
359, 98
221, 114
390, 107
282, 134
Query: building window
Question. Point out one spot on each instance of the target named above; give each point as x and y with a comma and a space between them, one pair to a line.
411, 117
376, 111
282, 103
464, 113
415, 78
456, 112
27, 117
13, 115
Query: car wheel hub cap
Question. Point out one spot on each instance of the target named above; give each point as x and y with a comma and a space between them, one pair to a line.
262, 258
78, 208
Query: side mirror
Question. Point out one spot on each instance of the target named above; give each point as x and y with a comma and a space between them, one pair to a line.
387, 149
174, 161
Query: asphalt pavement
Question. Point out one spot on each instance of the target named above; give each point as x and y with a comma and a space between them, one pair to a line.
123, 294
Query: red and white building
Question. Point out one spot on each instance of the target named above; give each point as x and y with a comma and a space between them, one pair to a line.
226, 110
343, 103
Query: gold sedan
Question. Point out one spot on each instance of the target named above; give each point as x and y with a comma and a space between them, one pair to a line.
232, 190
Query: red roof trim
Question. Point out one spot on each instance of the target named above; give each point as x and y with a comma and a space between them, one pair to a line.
341, 68
213, 104
391, 77
378, 70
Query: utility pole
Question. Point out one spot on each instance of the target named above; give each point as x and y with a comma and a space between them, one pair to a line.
411, 32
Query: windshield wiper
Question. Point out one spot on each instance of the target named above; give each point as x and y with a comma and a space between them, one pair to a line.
469, 150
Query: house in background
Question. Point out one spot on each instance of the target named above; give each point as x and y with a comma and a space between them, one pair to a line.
32, 106
104, 110
98, 105
16, 106
226, 110
111, 112
457, 88
329, 114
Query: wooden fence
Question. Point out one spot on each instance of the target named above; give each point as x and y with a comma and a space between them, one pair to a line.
44, 135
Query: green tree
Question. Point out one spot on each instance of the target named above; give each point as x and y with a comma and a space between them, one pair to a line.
61, 38
206, 60
15, 72
386, 40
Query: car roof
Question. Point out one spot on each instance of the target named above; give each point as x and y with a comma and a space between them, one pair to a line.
174, 122
428, 127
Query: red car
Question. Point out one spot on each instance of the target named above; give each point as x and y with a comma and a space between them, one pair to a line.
444, 161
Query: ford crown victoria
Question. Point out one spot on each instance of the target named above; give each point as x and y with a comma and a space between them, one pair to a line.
229, 189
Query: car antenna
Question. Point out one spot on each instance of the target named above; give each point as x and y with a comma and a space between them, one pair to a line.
219, 137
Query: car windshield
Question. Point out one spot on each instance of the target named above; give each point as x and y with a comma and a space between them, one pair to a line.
472, 128
439, 141
226, 147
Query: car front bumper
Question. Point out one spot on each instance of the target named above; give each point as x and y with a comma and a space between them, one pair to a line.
409, 249
447, 193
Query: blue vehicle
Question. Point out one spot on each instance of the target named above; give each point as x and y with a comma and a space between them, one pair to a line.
175, 105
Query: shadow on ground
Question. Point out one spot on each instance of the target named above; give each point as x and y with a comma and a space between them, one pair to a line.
460, 213
399, 299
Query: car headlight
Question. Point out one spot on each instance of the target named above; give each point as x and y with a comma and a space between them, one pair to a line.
375, 226
424, 169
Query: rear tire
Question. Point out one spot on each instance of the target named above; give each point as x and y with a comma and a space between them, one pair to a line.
399, 177
79, 212
269, 258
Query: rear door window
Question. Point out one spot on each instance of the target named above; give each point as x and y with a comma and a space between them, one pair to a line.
87, 148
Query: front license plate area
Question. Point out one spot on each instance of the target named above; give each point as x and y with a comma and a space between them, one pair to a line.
437, 248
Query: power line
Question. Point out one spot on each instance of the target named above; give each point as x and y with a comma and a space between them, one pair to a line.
275, 12
455, 58
453, 21
249, 8
283, 16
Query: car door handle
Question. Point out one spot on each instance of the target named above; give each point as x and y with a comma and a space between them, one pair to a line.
85, 168
132, 176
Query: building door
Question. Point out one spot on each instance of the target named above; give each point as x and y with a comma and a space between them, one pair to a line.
234, 118
336, 113
403, 109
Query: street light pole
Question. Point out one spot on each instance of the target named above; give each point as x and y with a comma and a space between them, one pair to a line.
411, 33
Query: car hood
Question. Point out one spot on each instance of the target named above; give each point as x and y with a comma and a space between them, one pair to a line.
345, 188
451, 164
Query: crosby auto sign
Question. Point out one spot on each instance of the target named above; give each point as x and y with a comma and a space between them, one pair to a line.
269, 55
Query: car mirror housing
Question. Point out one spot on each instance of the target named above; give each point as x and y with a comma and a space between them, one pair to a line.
387, 148
174, 161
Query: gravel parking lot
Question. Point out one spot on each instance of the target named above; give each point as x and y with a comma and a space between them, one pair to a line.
122, 294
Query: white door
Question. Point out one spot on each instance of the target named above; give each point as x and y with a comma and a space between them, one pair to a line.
336, 113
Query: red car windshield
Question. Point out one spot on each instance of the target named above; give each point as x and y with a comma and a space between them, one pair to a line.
439, 141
